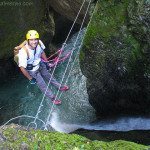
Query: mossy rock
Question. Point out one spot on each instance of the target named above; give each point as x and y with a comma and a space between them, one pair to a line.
16, 19
115, 57
16, 138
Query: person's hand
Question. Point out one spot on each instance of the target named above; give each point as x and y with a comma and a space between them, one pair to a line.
51, 65
33, 81
47, 65
16, 47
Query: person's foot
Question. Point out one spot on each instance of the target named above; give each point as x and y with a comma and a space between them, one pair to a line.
64, 88
56, 102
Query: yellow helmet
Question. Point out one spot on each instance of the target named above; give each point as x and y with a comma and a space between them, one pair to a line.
32, 34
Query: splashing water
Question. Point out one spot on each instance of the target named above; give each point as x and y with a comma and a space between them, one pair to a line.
61, 126
121, 124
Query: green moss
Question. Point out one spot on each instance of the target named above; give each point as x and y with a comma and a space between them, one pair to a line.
110, 22
116, 57
38, 139
107, 19
82, 56
135, 45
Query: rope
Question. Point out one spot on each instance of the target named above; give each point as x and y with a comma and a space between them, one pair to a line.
74, 21
41, 104
20, 117
77, 53
54, 54
69, 60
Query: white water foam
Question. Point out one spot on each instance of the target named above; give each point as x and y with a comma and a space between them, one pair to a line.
60, 126
122, 124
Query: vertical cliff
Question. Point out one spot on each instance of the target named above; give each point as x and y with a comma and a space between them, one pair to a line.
115, 57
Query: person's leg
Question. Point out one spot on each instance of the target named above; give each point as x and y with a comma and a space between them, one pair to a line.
42, 86
45, 73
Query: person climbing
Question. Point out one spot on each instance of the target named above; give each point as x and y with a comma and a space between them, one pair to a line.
29, 61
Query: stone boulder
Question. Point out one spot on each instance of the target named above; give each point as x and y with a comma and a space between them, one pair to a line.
69, 8
115, 58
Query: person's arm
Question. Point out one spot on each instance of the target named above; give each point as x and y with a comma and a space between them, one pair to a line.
21, 45
25, 73
22, 65
43, 56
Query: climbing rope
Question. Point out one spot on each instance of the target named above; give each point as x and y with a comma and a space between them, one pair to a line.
76, 54
62, 48
72, 67
21, 117
68, 62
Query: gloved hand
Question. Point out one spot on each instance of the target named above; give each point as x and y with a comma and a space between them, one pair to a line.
33, 81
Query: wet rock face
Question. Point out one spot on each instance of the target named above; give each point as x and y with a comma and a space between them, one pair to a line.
8, 69
115, 58
139, 20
